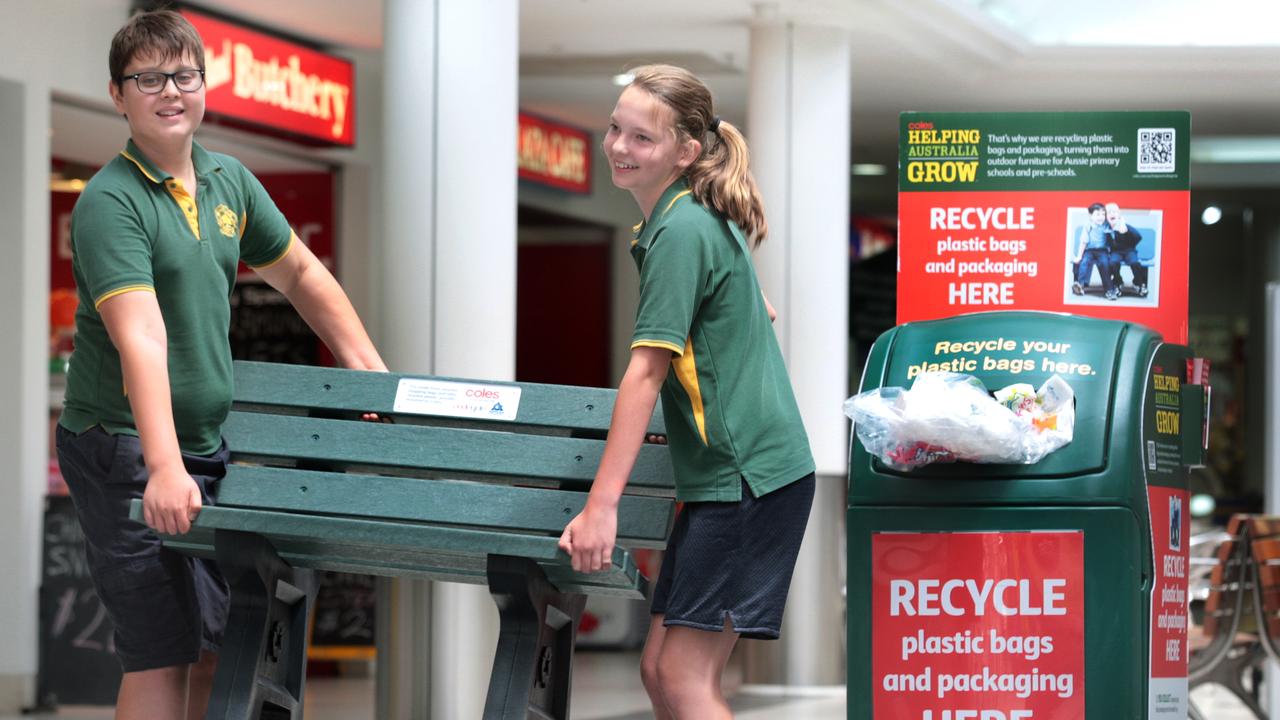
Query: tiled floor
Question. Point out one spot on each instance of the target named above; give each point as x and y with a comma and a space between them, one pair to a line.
606, 687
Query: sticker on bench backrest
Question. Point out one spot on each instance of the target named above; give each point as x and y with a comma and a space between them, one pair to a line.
455, 399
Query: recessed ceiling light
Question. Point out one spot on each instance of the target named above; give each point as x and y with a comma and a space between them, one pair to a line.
1211, 215
623, 79
1259, 149
868, 169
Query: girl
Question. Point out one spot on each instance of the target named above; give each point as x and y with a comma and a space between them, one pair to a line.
702, 340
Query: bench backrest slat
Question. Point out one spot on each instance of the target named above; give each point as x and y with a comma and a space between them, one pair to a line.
642, 521
303, 388
341, 443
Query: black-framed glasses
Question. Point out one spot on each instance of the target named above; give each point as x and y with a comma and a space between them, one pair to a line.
152, 82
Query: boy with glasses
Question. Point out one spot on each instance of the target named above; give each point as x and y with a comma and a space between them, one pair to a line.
156, 238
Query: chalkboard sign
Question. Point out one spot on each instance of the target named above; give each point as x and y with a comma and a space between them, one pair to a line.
77, 655
265, 327
344, 611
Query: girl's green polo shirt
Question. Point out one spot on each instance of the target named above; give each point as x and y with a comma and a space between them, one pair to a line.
728, 404
136, 228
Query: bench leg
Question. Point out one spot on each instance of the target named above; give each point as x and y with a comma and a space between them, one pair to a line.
263, 660
534, 661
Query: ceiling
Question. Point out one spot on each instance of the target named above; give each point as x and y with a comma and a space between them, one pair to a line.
940, 55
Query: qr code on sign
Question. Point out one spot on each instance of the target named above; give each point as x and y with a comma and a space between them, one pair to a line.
1155, 150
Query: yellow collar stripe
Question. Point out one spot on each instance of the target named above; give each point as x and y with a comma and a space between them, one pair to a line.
674, 199
635, 229
141, 167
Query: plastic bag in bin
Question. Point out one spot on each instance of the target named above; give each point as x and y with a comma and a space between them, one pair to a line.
947, 416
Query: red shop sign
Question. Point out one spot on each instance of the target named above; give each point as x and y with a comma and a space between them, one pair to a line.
554, 154
272, 83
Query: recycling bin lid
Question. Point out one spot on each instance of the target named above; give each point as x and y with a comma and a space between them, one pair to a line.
1002, 348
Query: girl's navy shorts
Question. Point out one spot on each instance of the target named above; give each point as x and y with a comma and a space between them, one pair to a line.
734, 560
166, 607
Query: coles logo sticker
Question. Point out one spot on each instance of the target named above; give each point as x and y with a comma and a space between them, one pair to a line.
457, 399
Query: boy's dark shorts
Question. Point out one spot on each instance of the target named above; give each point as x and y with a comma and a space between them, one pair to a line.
166, 607
734, 559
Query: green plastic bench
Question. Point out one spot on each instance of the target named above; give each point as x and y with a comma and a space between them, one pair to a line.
472, 483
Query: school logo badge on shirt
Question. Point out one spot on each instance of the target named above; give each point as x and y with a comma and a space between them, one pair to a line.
227, 220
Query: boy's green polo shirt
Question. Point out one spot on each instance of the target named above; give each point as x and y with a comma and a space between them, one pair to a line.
729, 408
136, 228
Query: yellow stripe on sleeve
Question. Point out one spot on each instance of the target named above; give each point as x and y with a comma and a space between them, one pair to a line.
292, 239
120, 291
658, 344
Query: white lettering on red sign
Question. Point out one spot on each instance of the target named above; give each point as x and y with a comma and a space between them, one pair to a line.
978, 625
979, 218
277, 83
963, 597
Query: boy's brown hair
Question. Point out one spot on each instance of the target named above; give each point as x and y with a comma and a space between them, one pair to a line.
163, 33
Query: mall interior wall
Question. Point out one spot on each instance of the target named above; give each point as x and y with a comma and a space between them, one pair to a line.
56, 51
24, 377
612, 207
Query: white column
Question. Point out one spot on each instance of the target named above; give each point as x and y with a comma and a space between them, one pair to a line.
475, 309
406, 331
407, 248
1271, 459
24, 376
798, 129
449, 259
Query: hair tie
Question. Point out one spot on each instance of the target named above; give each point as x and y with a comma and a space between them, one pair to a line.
715, 125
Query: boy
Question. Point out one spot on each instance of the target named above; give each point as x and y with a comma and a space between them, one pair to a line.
1122, 241
1091, 250
156, 237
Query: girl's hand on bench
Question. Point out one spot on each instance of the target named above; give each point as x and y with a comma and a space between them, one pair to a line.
589, 539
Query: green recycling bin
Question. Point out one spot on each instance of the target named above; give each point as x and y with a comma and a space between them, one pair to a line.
1046, 591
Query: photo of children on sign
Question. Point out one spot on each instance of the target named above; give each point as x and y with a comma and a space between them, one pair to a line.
1112, 255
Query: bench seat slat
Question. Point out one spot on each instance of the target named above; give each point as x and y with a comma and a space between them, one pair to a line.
642, 521
468, 569
429, 550
305, 387
352, 442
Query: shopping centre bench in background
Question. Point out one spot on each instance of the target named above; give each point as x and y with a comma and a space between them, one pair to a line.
475, 499
1240, 625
